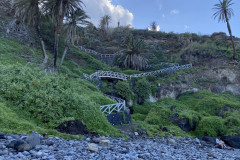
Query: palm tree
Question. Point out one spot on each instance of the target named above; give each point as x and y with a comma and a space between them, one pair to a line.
107, 19
75, 18
104, 22
224, 14
28, 11
133, 56
60, 9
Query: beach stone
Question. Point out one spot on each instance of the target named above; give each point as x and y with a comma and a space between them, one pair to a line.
92, 147
96, 140
105, 143
34, 139
24, 147
171, 141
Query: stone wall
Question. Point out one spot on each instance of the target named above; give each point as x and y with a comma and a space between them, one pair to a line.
120, 118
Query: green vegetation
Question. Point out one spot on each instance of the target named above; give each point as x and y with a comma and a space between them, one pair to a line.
124, 90
194, 52
208, 114
46, 100
133, 55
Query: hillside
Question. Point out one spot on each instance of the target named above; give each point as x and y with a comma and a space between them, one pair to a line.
74, 90
30, 97
41, 101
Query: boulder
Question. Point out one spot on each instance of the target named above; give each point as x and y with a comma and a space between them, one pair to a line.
72, 127
15, 144
211, 140
92, 147
233, 141
183, 123
105, 143
33, 140
2, 136
24, 147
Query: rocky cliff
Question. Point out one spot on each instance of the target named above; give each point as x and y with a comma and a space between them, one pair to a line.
215, 75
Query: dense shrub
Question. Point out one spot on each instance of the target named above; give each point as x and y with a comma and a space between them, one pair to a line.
211, 126
124, 90
143, 88
201, 109
195, 51
50, 98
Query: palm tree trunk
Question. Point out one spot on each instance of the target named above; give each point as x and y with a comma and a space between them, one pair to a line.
58, 28
64, 54
37, 28
230, 33
56, 42
42, 45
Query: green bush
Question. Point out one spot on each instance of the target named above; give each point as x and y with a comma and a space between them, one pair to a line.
195, 52
200, 107
143, 88
138, 117
211, 126
143, 109
49, 98
124, 90
159, 116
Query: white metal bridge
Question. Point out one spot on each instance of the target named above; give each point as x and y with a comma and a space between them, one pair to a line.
122, 76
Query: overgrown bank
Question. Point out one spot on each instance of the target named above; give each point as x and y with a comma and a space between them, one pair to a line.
30, 97
192, 114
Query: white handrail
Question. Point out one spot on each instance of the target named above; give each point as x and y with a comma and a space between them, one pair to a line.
122, 76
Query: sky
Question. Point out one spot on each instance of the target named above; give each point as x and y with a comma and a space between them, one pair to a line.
179, 16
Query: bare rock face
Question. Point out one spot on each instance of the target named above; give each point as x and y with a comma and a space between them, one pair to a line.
217, 76
6, 8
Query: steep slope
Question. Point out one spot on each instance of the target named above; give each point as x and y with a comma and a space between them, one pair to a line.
45, 99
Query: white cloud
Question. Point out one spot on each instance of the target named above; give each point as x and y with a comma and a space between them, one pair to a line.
96, 9
163, 16
186, 27
159, 4
175, 11
158, 28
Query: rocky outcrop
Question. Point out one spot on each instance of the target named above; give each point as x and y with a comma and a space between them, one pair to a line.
217, 76
183, 123
74, 127
233, 141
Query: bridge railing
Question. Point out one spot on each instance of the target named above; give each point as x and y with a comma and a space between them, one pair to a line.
89, 51
170, 69
122, 76
117, 107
